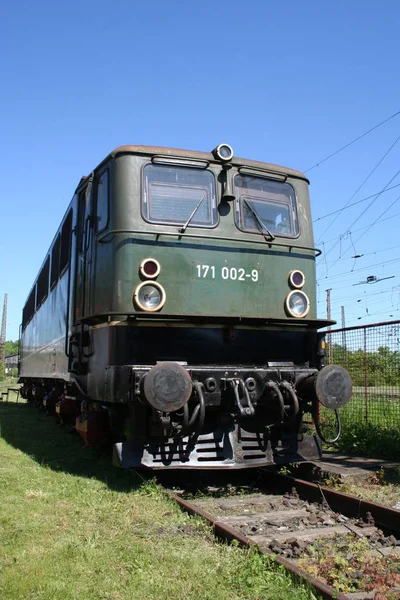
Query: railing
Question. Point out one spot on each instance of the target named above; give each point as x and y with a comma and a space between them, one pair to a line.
371, 354
5, 396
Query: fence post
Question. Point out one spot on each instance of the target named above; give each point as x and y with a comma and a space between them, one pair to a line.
365, 376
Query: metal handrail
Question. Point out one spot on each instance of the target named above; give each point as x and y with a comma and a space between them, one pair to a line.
102, 239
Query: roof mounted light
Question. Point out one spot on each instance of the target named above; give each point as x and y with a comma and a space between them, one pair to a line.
224, 152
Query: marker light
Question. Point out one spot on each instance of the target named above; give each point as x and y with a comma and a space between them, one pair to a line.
297, 304
149, 296
224, 152
297, 279
150, 268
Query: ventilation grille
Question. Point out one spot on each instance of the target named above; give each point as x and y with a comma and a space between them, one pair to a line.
208, 448
253, 446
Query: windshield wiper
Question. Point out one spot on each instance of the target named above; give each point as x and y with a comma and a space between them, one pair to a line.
183, 229
260, 223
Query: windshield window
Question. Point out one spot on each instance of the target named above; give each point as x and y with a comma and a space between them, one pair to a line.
171, 194
274, 202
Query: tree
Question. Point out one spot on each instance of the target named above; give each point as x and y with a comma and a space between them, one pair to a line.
12, 347
381, 367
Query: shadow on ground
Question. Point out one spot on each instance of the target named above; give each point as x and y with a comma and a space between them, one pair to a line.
37, 435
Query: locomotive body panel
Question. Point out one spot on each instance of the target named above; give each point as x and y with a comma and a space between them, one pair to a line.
43, 340
223, 271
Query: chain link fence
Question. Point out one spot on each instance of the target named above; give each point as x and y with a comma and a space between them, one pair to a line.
371, 354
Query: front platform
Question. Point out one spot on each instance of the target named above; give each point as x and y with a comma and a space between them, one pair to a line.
221, 449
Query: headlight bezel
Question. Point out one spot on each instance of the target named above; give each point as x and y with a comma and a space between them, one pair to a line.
143, 264
307, 304
139, 303
292, 276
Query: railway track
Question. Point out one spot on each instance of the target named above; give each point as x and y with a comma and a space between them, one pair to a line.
309, 528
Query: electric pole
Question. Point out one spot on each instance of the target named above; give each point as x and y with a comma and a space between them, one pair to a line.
328, 314
343, 328
3, 337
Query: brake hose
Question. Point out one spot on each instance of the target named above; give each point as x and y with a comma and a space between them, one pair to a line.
286, 385
273, 386
318, 427
202, 413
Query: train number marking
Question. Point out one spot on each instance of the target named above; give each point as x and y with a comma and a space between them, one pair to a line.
204, 270
232, 273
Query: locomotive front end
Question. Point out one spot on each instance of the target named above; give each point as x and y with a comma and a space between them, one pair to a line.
220, 417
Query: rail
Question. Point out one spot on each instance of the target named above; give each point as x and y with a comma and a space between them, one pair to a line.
353, 516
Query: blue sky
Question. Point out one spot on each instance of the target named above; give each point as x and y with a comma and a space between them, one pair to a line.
285, 83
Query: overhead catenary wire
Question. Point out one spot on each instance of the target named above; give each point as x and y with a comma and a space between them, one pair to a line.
354, 298
364, 296
353, 309
362, 184
370, 226
393, 260
339, 210
352, 142
388, 299
365, 210
364, 255
385, 296
360, 229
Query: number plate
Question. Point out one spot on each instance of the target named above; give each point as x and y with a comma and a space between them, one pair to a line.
231, 273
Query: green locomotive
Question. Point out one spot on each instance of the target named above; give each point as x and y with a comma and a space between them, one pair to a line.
175, 313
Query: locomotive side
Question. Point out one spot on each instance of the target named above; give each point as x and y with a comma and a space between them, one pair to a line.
176, 312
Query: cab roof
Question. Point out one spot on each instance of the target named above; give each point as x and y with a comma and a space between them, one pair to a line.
205, 156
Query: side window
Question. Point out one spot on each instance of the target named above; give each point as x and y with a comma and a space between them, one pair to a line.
43, 283
55, 261
29, 308
102, 201
65, 250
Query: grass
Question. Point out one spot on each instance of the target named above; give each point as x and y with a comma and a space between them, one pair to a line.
371, 430
382, 487
378, 410
9, 382
347, 565
74, 527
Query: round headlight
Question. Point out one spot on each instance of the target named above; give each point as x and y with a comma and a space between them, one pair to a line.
223, 152
297, 279
297, 304
150, 268
150, 296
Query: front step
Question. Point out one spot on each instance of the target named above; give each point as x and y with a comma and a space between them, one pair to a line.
224, 448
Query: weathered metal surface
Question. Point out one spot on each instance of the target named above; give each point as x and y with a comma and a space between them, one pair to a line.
333, 386
167, 386
206, 156
216, 450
